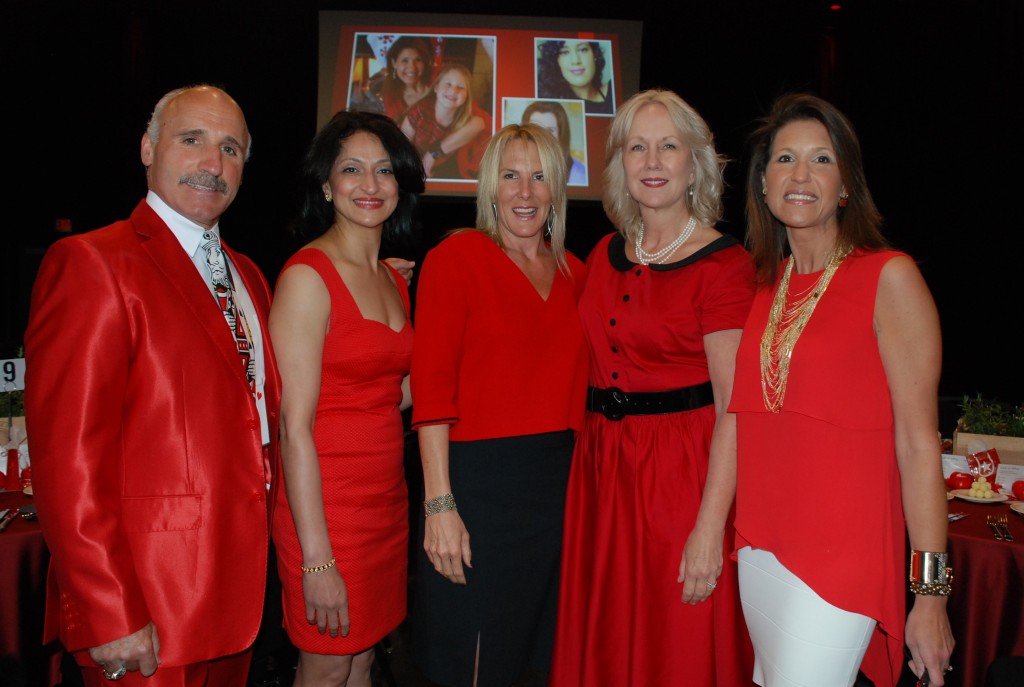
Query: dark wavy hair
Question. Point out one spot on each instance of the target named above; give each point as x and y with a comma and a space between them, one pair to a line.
551, 83
859, 222
393, 87
316, 214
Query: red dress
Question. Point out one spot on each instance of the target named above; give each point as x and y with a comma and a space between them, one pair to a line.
359, 441
827, 462
636, 484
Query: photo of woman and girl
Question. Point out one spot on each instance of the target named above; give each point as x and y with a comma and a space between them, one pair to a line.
436, 90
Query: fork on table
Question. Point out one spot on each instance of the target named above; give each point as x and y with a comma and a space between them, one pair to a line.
1004, 522
991, 521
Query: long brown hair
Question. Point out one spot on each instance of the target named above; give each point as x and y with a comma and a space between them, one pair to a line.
859, 222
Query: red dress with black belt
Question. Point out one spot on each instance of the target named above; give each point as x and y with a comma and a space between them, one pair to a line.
636, 483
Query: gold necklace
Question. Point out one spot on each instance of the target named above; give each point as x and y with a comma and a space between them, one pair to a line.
785, 324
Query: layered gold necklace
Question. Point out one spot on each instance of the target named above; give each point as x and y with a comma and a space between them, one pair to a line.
786, 322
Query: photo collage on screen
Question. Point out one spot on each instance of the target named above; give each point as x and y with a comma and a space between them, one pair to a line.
440, 90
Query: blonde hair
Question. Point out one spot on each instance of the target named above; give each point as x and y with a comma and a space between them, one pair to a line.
706, 202
465, 112
552, 162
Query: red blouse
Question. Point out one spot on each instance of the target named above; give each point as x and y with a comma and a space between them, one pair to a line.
818, 483
492, 358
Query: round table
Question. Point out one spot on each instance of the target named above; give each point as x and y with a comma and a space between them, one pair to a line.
23, 564
986, 606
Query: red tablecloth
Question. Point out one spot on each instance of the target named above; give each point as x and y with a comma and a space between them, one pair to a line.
986, 607
23, 563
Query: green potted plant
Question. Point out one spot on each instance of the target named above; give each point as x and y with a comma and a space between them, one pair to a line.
990, 423
12, 403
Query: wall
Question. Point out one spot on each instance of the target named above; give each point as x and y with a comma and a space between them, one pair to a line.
926, 85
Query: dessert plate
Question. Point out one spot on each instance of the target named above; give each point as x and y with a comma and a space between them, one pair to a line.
965, 494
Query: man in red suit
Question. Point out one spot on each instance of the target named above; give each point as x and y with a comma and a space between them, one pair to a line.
151, 411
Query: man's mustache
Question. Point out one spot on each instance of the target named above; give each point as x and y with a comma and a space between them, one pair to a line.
204, 181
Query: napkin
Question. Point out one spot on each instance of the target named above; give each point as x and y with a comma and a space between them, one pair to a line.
18, 438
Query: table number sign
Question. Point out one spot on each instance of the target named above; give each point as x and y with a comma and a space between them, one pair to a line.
12, 378
12, 374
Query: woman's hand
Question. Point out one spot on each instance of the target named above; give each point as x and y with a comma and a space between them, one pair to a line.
446, 542
326, 601
428, 164
701, 564
929, 638
403, 267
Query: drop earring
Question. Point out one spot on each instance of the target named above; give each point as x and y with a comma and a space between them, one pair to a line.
844, 199
551, 215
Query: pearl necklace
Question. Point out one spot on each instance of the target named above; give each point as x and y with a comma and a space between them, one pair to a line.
645, 258
786, 321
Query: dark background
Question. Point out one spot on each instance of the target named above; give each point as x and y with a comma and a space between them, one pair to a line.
929, 86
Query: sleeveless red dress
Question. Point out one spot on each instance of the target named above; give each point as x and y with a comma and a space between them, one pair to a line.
818, 483
359, 441
636, 484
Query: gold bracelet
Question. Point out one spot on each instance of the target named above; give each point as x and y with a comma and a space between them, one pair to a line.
932, 588
439, 504
318, 568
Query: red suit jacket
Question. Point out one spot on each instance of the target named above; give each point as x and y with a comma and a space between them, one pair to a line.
147, 457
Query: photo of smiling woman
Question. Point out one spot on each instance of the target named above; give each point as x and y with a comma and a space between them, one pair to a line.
449, 126
575, 69
408, 75
402, 72
552, 116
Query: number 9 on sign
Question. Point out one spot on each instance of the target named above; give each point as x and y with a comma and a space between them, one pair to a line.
12, 374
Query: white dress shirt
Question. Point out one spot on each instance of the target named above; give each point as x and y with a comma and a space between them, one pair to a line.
190, 236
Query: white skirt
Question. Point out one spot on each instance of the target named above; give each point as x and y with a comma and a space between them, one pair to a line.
799, 639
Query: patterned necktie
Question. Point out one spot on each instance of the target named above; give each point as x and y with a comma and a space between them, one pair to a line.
224, 292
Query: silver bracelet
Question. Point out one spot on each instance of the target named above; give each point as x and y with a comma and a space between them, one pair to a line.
930, 574
439, 504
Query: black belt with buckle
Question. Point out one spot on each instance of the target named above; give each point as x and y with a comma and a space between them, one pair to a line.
616, 404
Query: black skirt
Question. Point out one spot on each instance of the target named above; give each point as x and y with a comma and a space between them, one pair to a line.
511, 496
